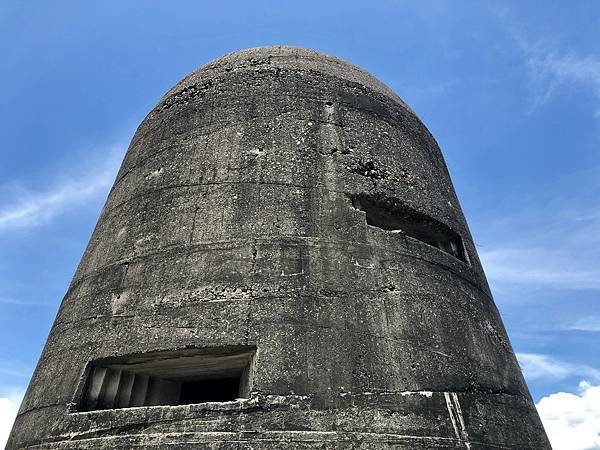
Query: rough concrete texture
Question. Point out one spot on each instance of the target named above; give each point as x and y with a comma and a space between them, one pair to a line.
234, 222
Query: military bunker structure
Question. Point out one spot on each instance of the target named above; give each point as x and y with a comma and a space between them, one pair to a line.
282, 263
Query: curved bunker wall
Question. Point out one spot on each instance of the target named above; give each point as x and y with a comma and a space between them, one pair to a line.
282, 220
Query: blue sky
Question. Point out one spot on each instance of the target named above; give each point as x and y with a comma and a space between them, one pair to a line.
511, 91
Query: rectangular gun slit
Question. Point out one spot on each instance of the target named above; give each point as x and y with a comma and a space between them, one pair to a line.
390, 215
167, 378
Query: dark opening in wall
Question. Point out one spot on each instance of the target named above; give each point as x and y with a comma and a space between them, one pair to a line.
167, 378
212, 390
391, 215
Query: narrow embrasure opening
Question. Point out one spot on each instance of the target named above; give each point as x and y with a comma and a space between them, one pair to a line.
167, 378
391, 215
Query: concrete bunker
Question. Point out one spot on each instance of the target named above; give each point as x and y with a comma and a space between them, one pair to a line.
339, 362
389, 214
167, 378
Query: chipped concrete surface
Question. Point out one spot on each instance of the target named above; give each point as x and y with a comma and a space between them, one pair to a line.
231, 223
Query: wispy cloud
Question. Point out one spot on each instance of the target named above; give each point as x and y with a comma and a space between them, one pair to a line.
27, 208
553, 70
18, 372
591, 323
15, 301
536, 366
545, 239
539, 266
572, 421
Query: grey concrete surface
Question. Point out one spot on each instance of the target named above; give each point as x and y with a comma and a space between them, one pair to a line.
285, 200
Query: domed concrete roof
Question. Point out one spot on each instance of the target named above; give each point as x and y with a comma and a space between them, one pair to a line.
286, 57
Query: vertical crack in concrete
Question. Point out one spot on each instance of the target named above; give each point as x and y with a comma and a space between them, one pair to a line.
126, 267
248, 319
254, 253
193, 228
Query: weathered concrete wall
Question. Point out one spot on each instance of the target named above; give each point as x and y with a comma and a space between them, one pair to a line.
232, 223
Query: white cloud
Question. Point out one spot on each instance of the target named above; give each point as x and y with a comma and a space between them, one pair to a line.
591, 323
545, 240
539, 266
554, 71
15, 301
8, 411
572, 421
536, 366
30, 209
549, 239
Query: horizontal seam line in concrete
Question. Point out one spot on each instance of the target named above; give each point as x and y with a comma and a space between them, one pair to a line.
240, 410
182, 186
192, 247
153, 115
375, 94
217, 183
212, 72
267, 440
388, 338
302, 325
340, 436
139, 161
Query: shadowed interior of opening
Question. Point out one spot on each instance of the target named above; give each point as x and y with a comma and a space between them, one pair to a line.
167, 378
213, 390
391, 215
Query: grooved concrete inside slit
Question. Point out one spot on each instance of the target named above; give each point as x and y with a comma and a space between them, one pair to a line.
167, 378
391, 215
